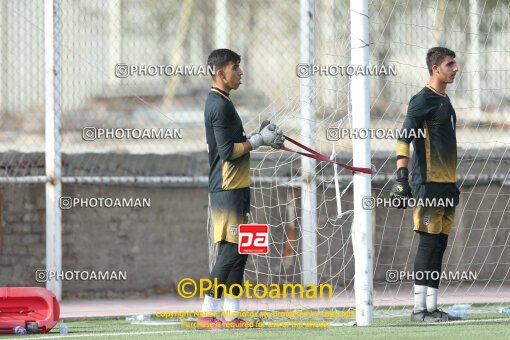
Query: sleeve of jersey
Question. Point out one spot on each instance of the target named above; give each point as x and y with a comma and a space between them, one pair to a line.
238, 151
222, 125
416, 113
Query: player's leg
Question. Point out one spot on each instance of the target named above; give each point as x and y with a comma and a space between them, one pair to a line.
228, 211
421, 265
434, 314
212, 299
436, 265
427, 223
232, 305
225, 260
234, 281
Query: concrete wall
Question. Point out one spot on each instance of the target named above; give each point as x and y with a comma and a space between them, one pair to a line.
156, 246
160, 245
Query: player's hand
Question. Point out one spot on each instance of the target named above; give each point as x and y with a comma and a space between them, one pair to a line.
279, 140
269, 135
401, 191
276, 139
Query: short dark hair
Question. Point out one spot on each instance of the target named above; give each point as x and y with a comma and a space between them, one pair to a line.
221, 57
436, 55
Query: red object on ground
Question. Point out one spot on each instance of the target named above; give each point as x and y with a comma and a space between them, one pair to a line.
34, 308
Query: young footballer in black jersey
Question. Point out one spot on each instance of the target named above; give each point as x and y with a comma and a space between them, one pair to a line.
433, 179
229, 182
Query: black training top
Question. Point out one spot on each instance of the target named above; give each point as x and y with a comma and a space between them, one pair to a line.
435, 157
223, 128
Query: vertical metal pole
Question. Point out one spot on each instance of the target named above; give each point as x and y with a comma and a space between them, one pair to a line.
4, 69
114, 12
439, 21
176, 57
52, 60
474, 58
222, 25
308, 188
362, 226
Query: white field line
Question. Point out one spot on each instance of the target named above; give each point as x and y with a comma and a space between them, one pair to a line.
450, 323
67, 336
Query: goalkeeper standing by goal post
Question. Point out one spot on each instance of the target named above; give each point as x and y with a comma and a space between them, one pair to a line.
229, 183
433, 178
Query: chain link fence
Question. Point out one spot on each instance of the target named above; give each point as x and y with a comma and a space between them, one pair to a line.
152, 39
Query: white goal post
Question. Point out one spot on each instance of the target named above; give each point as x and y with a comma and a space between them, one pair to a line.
360, 108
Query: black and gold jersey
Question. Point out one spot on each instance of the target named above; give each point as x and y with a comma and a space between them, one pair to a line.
434, 160
224, 129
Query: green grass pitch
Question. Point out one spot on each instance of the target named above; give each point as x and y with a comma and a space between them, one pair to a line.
476, 326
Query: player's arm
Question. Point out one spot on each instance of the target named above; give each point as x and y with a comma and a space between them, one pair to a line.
222, 119
268, 135
221, 122
241, 149
416, 113
402, 162
401, 190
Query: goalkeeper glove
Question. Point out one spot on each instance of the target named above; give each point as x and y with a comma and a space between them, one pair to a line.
268, 135
401, 191
279, 140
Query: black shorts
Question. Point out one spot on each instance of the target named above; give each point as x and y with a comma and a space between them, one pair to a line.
229, 209
432, 190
